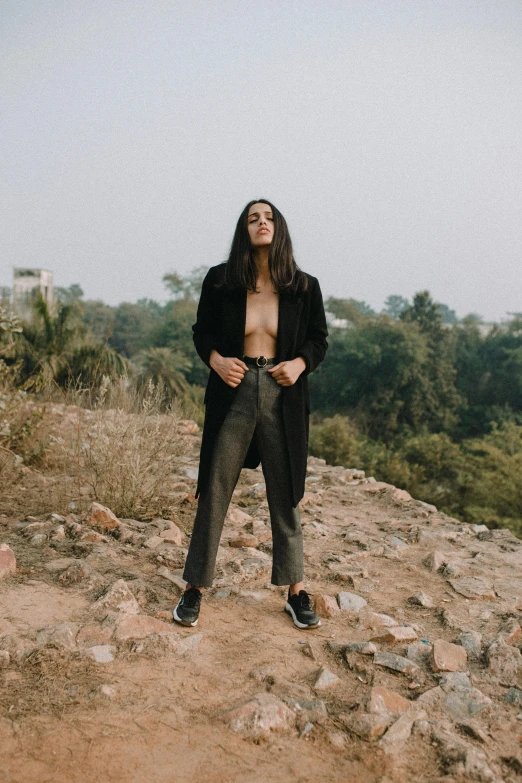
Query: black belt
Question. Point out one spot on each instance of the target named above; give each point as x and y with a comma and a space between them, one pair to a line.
258, 361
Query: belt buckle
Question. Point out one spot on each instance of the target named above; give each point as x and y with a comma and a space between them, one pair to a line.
261, 361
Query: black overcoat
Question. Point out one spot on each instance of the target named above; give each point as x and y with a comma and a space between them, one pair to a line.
301, 331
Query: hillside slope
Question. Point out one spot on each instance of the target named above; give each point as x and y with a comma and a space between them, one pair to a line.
415, 672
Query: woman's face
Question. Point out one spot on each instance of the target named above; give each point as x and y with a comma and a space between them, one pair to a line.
260, 224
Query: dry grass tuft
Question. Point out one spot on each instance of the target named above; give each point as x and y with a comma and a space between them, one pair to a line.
53, 681
115, 445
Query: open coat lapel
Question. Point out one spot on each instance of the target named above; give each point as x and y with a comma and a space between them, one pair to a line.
289, 313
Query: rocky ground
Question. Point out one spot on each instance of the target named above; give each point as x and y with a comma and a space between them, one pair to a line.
415, 673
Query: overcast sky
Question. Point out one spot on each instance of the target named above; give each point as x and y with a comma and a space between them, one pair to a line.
388, 133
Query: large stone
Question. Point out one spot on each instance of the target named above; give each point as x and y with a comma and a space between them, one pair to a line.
93, 635
325, 679
397, 663
258, 717
435, 561
173, 535
102, 518
399, 732
326, 605
374, 621
447, 657
384, 702
514, 696
350, 602
342, 647
460, 700
504, 662
244, 539
59, 564
421, 599
367, 726
101, 653
419, 652
396, 635
473, 588
238, 518
7, 561
117, 599
472, 643
141, 625
60, 635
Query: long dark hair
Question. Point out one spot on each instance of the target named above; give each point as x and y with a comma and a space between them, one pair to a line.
241, 271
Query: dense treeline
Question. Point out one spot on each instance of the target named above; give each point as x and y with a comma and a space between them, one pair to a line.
411, 394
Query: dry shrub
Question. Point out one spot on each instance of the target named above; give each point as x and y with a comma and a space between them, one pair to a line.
53, 681
121, 452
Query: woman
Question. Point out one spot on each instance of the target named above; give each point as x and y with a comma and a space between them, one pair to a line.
261, 329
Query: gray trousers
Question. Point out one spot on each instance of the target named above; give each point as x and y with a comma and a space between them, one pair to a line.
256, 411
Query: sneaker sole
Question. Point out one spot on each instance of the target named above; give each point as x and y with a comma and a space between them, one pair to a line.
183, 622
290, 611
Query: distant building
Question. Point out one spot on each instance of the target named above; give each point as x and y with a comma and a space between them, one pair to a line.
337, 323
27, 283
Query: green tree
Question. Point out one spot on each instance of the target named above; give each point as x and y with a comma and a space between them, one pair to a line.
395, 305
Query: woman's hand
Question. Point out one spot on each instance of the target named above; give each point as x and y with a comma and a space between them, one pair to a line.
229, 369
287, 373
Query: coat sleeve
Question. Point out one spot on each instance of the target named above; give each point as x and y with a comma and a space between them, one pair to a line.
206, 329
314, 348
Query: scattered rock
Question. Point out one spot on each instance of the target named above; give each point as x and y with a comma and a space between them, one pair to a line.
367, 726
152, 542
238, 518
325, 679
374, 621
340, 648
258, 717
419, 652
109, 691
189, 644
421, 599
395, 635
176, 579
93, 635
172, 535
101, 653
5, 659
397, 664
350, 602
460, 700
435, 561
399, 732
447, 657
326, 606
472, 643
76, 572
244, 539
401, 496
384, 702
504, 662
514, 696
102, 518
514, 635
473, 588
59, 635
59, 533
138, 626
7, 561
118, 598
59, 564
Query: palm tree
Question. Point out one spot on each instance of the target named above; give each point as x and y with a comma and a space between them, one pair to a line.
164, 367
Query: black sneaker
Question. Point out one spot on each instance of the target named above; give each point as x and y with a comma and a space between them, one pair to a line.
299, 607
187, 610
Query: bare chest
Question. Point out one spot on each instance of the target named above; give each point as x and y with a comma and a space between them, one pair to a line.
262, 313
